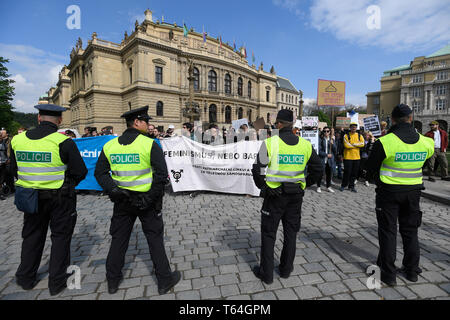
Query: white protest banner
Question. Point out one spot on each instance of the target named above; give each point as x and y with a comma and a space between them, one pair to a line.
310, 121
238, 123
313, 137
298, 124
372, 124
224, 168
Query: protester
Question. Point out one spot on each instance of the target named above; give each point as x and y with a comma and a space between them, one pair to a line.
383, 128
369, 140
440, 138
70, 134
4, 159
327, 153
353, 141
21, 129
339, 153
188, 130
87, 132
170, 133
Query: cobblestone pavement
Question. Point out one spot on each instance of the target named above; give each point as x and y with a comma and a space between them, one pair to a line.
214, 240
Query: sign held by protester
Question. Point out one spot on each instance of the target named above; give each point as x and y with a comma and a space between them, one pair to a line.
372, 124
330, 93
238, 123
343, 122
310, 122
313, 137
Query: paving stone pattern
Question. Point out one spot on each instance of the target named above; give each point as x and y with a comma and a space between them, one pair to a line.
214, 240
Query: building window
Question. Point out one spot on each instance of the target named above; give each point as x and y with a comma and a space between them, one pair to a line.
442, 75
417, 78
212, 81
416, 92
240, 113
228, 114
240, 83
249, 115
441, 90
416, 106
441, 104
159, 109
282, 97
376, 100
249, 89
159, 75
268, 118
428, 99
196, 79
131, 75
212, 113
227, 84
267, 95
161, 128
296, 100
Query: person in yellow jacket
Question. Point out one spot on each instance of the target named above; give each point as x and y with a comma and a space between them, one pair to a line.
395, 164
353, 142
132, 170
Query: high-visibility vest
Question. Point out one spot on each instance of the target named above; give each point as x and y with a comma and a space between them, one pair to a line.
39, 165
130, 164
287, 163
403, 163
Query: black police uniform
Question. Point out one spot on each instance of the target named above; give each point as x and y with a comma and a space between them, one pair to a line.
394, 202
126, 211
56, 208
285, 207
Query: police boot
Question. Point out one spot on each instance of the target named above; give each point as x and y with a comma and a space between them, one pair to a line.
176, 276
113, 285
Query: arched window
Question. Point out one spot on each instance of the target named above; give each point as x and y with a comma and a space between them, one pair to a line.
282, 97
196, 79
159, 109
249, 89
212, 113
240, 83
228, 114
227, 84
212, 80
240, 113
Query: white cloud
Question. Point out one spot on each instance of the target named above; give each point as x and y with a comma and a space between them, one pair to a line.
405, 24
291, 5
34, 71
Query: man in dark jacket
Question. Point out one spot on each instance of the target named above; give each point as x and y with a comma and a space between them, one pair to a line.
396, 165
440, 138
282, 187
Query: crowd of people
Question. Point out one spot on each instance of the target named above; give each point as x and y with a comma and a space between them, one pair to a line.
344, 152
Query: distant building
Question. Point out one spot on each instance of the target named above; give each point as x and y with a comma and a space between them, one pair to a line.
424, 85
150, 67
287, 96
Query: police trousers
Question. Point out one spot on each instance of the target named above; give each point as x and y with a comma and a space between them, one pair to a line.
286, 208
404, 207
58, 212
122, 222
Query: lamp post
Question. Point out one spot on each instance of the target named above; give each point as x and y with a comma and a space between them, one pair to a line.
301, 104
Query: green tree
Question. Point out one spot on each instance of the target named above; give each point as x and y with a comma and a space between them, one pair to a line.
6, 96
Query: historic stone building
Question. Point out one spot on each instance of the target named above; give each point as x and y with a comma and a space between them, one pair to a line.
424, 85
287, 96
150, 67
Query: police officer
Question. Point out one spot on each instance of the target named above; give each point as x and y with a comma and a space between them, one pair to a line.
136, 186
396, 165
282, 187
45, 160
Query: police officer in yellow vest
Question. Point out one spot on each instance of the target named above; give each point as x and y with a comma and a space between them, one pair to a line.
396, 165
136, 186
287, 158
47, 164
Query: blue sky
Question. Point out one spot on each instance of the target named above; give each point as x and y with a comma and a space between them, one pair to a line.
304, 40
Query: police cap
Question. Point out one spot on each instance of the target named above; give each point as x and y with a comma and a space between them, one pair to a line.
141, 114
285, 115
400, 111
50, 110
